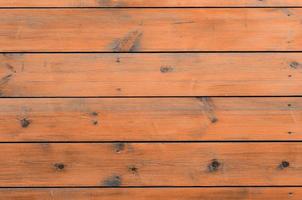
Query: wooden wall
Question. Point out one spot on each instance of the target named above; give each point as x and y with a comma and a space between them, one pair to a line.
143, 99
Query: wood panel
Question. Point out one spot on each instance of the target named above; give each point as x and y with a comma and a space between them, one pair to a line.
151, 164
154, 74
150, 119
151, 194
149, 3
135, 99
143, 30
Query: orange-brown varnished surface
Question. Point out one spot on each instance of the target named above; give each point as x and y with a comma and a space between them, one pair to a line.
151, 164
145, 30
155, 74
150, 119
291, 193
146, 99
149, 3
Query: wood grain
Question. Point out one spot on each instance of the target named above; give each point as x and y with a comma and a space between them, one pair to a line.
154, 74
150, 30
150, 119
148, 3
151, 194
151, 164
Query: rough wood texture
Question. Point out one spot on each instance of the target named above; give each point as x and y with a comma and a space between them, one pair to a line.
150, 119
154, 74
152, 194
126, 30
155, 164
148, 3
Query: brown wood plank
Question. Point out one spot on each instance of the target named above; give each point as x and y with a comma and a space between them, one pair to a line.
148, 3
150, 119
155, 164
151, 194
124, 30
154, 74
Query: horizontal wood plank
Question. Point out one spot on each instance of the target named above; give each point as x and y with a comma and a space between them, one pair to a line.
145, 30
154, 74
150, 119
151, 194
155, 164
148, 3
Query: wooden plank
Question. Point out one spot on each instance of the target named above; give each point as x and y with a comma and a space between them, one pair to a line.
141, 30
151, 194
149, 3
150, 164
154, 74
150, 119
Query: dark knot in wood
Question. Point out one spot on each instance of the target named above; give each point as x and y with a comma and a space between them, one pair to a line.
59, 166
284, 164
214, 165
25, 123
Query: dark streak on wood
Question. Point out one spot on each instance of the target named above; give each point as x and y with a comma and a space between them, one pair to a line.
113, 181
118, 147
287, 11
295, 65
184, 22
4, 80
10, 67
129, 43
208, 108
94, 113
110, 3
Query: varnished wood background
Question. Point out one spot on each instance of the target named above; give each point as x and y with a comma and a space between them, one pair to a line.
142, 99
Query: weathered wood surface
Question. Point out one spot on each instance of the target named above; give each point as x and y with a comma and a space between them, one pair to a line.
155, 74
155, 164
290, 193
144, 30
85, 142
149, 3
150, 119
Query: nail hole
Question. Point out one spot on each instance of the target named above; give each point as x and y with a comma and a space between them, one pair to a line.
289, 105
289, 76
